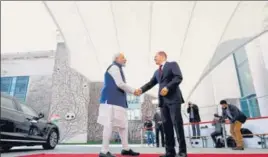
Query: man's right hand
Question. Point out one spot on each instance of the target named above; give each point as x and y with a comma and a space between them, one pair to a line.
138, 92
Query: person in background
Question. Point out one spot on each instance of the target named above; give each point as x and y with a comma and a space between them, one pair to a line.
194, 118
159, 127
117, 137
237, 118
217, 123
148, 125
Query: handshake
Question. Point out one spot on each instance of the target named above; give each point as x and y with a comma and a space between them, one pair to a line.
163, 92
138, 92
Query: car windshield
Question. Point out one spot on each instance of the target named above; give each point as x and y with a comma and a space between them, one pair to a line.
28, 110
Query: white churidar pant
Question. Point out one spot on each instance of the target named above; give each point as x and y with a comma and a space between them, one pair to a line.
113, 118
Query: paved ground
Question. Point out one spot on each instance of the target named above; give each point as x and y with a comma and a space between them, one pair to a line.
90, 149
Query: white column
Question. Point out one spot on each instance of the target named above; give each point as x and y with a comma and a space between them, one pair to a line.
264, 38
258, 72
264, 48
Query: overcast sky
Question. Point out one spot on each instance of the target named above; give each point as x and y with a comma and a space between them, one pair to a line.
26, 26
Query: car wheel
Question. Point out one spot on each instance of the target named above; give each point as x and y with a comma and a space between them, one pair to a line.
5, 148
52, 140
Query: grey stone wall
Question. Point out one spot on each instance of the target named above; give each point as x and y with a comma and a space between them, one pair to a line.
70, 98
148, 108
94, 129
39, 93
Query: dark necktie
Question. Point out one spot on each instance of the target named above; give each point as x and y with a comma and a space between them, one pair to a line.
160, 71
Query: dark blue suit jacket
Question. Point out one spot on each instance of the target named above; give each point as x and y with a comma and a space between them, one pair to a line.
171, 78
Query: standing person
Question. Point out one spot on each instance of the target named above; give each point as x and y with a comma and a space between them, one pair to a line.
113, 107
170, 98
237, 118
194, 118
159, 128
148, 125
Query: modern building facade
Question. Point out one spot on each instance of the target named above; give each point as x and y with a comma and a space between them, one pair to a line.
242, 76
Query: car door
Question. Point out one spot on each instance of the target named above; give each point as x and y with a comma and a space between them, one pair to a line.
37, 126
12, 124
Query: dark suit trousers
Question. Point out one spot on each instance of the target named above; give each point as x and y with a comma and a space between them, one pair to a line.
172, 119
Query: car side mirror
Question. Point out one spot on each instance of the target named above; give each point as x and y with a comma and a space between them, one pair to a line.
41, 115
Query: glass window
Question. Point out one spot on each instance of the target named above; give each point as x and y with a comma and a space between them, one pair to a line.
254, 108
21, 88
244, 108
6, 83
249, 103
240, 56
29, 111
250, 106
134, 114
133, 101
8, 103
246, 82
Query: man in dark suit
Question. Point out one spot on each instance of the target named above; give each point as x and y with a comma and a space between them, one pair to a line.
170, 98
194, 118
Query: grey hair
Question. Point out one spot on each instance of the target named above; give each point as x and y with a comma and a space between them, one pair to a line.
116, 55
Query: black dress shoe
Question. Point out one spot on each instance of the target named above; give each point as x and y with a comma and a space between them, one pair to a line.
129, 152
182, 155
108, 154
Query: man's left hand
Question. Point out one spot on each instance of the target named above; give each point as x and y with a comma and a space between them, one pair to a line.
164, 91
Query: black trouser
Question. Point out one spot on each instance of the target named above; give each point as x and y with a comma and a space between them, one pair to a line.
159, 129
171, 118
214, 136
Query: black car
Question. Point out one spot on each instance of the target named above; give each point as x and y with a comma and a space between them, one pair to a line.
20, 125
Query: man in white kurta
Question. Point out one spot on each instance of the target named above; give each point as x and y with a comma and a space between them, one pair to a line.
113, 107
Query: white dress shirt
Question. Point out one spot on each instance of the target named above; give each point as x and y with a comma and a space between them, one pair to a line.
163, 64
114, 71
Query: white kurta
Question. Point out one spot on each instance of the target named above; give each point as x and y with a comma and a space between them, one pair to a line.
113, 115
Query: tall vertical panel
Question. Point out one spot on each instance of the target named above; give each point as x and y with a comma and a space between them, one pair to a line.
70, 99
21, 87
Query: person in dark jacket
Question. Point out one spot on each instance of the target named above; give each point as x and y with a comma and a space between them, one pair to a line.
148, 125
169, 78
217, 123
194, 118
159, 128
237, 118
